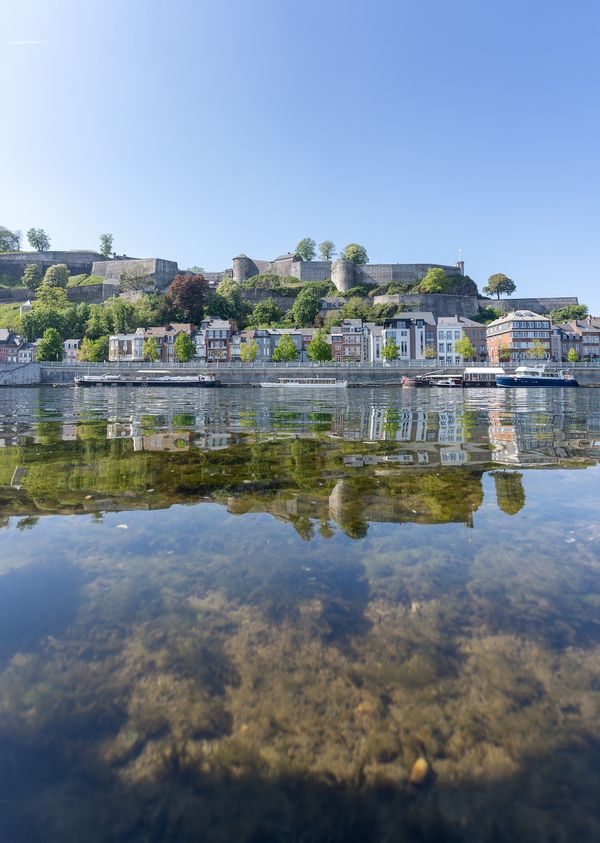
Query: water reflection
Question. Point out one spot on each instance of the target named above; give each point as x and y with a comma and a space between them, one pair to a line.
267, 661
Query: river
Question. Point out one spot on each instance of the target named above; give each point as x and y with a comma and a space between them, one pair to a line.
243, 615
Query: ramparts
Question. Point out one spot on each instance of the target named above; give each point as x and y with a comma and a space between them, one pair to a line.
158, 271
440, 304
538, 305
12, 264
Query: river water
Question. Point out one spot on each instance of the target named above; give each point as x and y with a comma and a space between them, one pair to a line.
243, 615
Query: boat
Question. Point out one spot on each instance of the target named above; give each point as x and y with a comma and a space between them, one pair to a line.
306, 382
416, 380
147, 377
445, 380
536, 376
481, 375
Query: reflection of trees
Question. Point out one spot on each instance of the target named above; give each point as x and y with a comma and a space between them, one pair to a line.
510, 493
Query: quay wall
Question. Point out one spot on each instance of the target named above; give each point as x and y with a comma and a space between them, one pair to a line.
244, 375
20, 374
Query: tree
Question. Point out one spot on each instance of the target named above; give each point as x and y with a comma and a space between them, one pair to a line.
499, 284
306, 248
248, 351
429, 353
50, 346
106, 244
150, 349
10, 241
318, 348
196, 270
285, 350
188, 295
435, 280
266, 313
51, 296
356, 308
572, 356
537, 350
32, 277
94, 351
134, 281
228, 303
185, 348
570, 313
305, 308
57, 275
504, 354
326, 250
355, 253
464, 347
390, 349
38, 239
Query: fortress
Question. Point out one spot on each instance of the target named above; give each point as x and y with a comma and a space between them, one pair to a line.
344, 274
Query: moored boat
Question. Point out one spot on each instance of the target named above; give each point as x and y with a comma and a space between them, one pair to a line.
306, 382
481, 375
416, 380
147, 377
444, 379
536, 376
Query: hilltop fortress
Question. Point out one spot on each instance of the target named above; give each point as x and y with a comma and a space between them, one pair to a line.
344, 274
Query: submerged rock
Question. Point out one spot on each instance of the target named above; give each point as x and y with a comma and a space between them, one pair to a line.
420, 772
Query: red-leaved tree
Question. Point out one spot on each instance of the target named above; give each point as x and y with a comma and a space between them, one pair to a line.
188, 295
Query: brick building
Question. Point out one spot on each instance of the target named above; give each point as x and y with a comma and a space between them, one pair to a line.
513, 337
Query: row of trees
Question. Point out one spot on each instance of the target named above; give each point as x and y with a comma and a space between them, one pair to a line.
307, 249
10, 241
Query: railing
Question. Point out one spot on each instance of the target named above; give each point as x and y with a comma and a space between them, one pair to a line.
295, 364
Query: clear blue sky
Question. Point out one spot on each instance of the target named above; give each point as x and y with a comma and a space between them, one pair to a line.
197, 130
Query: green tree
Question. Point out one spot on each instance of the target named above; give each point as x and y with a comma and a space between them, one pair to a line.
286, 350
57, 275
106, 244
356, 253
10, 241
306, 248
94, 351
266, 313
487, 315
318, 348
504, 354
572, 356
464, 347
499, 284
32, 277
185, 348
356, 308
188, 295
429, 353
38, 239
150, 349
390, 350
51, 296
537, 350
37, 321
196, 270
50, 346
572, 312
434, 281
228, 302
248, 351
305, 308
326, 250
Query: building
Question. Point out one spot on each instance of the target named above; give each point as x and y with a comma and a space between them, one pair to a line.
218, 335
412, 333
9, 346
350, 342
588, 332
70, 349
126, 347
513, 337
450, 329
165, 337
27, 351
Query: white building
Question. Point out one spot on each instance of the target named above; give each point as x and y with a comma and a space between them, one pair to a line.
70, 349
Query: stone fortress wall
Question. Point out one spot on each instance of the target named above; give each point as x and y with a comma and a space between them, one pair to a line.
440, 304
12, 264
538, 305
158, 270
344, 274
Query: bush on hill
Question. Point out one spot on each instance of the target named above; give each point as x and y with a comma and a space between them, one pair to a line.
85, 280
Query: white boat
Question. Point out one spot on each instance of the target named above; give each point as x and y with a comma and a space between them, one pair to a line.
306, 382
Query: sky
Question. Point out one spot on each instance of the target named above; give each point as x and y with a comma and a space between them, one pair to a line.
424, 130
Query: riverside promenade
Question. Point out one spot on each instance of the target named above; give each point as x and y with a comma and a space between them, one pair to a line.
251, 374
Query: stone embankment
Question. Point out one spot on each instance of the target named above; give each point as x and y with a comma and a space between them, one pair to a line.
20, 374
244, 375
